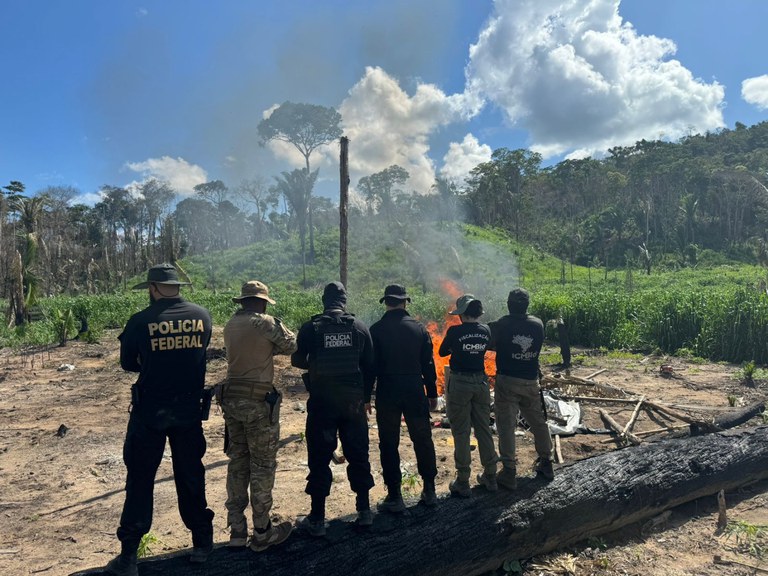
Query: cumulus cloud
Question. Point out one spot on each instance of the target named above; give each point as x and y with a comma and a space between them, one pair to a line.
387, 126
580, 79
462, 157
755, 91
180, 174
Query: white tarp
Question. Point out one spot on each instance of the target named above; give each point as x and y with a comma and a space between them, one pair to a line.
563, 417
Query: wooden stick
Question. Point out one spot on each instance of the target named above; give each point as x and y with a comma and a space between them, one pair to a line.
728, 561
722, 512
558, 453
645, 433
613, 425
659, 430
596, 373
633, 418
680, 416
596, 399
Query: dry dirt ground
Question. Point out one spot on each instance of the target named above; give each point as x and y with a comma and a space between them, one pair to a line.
62, 475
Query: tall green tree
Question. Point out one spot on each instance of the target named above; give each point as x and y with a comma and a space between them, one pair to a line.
379, 189
295, 186
306, 127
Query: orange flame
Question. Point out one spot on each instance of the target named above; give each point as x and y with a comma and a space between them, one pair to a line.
438, 331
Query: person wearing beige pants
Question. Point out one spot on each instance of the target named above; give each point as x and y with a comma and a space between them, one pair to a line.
517, 339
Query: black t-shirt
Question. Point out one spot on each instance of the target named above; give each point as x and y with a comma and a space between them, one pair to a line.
517, 339
165, 343
466, 343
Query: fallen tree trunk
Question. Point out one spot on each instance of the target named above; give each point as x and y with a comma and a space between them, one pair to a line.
588, 498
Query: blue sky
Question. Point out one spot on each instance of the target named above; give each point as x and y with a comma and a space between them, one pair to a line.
113, 92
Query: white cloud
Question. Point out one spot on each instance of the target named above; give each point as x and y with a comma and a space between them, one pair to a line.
755, 91
386, 126
180, 174
88, 199
579, 78
462, 157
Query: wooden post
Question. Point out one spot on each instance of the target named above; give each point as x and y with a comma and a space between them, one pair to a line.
343, 202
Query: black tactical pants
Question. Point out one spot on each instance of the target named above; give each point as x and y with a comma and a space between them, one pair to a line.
331, 411
394, 400
142, 453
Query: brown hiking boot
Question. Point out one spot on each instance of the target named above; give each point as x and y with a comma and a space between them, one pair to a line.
544, 467
488, 481
507, 478
460, 488
276, 534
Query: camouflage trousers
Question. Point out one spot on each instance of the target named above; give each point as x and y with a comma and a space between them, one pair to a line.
254, 432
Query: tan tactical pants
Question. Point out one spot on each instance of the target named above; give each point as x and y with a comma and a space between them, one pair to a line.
513, 395
469, 406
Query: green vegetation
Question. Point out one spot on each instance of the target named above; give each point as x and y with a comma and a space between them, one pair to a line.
750, 538
715, 313
146, 543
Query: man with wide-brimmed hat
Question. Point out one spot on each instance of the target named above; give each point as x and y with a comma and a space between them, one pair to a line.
251, 406
166, 344
406, 386
468, 395
337, 351
517, 339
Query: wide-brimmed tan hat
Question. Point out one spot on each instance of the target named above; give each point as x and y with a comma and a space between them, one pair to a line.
161, 274
254, 289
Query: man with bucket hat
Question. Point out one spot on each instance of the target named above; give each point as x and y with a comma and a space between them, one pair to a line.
166, 344
251, 407
517, 339
406, 386
469, 395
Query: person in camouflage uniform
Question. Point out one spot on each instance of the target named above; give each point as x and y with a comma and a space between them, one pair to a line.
251, 406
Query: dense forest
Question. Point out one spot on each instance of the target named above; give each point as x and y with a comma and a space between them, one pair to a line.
654, 204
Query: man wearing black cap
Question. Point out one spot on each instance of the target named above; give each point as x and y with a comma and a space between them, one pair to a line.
165, 343
406, 387
337, 350
251, 406
517, 339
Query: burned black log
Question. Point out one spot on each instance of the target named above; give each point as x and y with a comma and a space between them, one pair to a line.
588, 498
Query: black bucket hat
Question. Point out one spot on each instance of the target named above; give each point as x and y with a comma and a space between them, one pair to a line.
395, 291
161, 274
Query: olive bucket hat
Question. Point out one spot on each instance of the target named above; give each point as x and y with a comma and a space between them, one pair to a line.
161, 274
462, 303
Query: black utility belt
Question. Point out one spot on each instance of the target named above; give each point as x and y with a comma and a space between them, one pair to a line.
465, 373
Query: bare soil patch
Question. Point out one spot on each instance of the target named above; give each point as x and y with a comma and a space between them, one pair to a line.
62, 474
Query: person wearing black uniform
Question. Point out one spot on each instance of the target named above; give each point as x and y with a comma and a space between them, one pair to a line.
406, 386
337, 350
517, 339
468, 395
166, 344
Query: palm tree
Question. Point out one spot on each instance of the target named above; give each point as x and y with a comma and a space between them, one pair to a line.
296, 187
